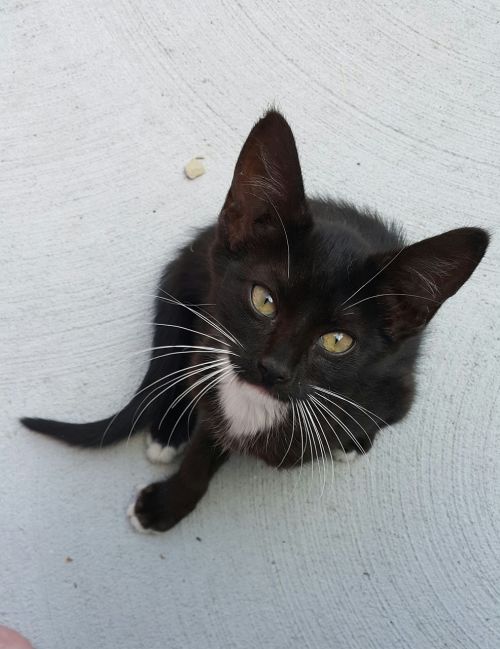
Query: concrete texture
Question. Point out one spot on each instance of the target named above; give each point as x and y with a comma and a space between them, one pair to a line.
395, 105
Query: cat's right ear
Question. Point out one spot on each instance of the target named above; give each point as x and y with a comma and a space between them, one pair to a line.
413, 283
267, 192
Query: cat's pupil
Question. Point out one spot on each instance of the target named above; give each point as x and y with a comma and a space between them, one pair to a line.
263, 301
337, 342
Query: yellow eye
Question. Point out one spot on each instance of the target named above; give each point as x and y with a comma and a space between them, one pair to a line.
337, 342
263, 301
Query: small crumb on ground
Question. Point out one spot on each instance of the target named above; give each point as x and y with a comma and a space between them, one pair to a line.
194, 168
68, 560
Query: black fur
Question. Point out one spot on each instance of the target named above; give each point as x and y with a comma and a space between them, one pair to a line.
329, 267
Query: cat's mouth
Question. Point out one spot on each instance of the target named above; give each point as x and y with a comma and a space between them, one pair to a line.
243, 392
272, 391
263, 385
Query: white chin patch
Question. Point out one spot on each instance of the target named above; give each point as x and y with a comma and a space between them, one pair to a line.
159, 454
247, 409
341, 456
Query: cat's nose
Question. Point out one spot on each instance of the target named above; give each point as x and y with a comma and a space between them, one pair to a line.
273, 371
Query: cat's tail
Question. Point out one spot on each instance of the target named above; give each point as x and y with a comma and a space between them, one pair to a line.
145, 407
135, 415
138, 413
94, 434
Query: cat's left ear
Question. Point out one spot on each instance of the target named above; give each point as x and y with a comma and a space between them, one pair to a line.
267, 192
416, 281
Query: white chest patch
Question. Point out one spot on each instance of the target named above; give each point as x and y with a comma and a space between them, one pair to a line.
247, 409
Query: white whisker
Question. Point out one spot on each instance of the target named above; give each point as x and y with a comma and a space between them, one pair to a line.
188, 349
292, 434
373, 277
236, 371
344, 427
353, 418
313, 406
223, 352
200, 333
356, 405
317, 432
302, 442
308, 432
164, 388
184, 372
206, 318
147, 387
219, 374
372, 297
181, 396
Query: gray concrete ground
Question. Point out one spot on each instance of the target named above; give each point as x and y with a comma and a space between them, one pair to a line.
395, 105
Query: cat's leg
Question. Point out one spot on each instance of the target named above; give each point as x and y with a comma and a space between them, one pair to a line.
170, 431
169, 362
178, 321
175, 327
163, 504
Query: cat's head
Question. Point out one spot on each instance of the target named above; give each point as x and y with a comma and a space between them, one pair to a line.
316, 292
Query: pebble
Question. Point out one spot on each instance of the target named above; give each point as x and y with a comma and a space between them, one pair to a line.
194, 168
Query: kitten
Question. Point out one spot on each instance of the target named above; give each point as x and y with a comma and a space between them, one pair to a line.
287, 330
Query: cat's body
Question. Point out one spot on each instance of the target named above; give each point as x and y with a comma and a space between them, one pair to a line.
243, 355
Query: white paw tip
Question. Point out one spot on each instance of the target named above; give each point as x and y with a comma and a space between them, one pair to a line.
159, 454
134, 521
341, 456
136, 524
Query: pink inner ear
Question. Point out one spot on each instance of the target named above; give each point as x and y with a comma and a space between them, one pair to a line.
267, 182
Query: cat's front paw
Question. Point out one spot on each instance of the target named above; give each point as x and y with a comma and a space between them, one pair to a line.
160, 506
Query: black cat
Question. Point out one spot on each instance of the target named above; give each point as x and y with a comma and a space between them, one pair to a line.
287, 330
